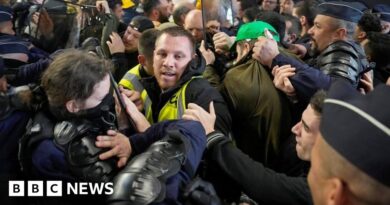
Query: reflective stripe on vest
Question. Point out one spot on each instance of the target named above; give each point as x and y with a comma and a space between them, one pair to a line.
131, 81
176, 105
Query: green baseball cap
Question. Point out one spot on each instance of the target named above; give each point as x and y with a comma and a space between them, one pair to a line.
255, 29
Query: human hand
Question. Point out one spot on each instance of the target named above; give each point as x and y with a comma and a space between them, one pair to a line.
208, 55
102, 6
116, 44
134, 96
138, 118
281, 79
298, 50
3, 84
197, 113
265, 50
223, 42
367, 85
46, 24
119, 144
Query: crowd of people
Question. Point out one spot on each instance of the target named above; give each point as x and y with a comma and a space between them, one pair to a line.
197, 101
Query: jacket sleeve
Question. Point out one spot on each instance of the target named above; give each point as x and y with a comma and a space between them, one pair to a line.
211, 75
258, 182
307, 80
30, 73
121, 65
141, 141
202, 93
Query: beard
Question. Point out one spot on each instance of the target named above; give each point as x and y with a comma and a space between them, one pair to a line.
313, 50
163, 19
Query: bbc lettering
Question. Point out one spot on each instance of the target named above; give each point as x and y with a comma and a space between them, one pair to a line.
54, 188
35, 188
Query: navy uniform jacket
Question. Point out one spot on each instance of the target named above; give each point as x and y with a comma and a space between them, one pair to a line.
50, 163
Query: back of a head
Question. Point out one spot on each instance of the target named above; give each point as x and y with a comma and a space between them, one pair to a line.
378, 49
73, 75
179, 11
308, 9
357, 152
251, 13
149, 5
275, 20
370, 22
147, 43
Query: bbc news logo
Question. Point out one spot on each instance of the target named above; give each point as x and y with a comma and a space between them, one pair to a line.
56, 188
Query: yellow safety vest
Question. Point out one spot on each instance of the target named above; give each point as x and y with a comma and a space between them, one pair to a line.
131, 81
176, 105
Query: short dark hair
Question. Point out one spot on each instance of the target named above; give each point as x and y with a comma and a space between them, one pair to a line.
275, 20
251, 13
317, 101
149, 5
378, 48
295, 24
307, 8
112, 3
177, 31
370, 22
147, 43
73, 75
178, 12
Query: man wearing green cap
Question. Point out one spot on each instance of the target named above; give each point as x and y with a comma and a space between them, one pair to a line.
261, 114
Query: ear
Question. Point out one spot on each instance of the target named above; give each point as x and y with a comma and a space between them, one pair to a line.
72, 106
362, 35
155, 13
341, 33
292, 37
141, 60
303, 21
247, 48
337, 193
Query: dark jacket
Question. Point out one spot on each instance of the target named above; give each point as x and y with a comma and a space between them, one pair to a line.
340, 60
261, 184
123, 62
199, 91
261, 114
49, 161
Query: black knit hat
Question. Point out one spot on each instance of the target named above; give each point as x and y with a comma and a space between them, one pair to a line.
141, 23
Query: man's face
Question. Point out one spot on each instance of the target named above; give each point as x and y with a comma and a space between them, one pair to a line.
195, 27
385, 27
322, 33
269, 5
130, 39
165, 10
7, 28
306, 132
213, 27
317, 178
118, 11
170, 60
286, 6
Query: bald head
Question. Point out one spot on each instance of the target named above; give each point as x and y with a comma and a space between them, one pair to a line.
193, 24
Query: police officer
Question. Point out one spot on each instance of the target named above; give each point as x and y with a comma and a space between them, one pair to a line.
331, 35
